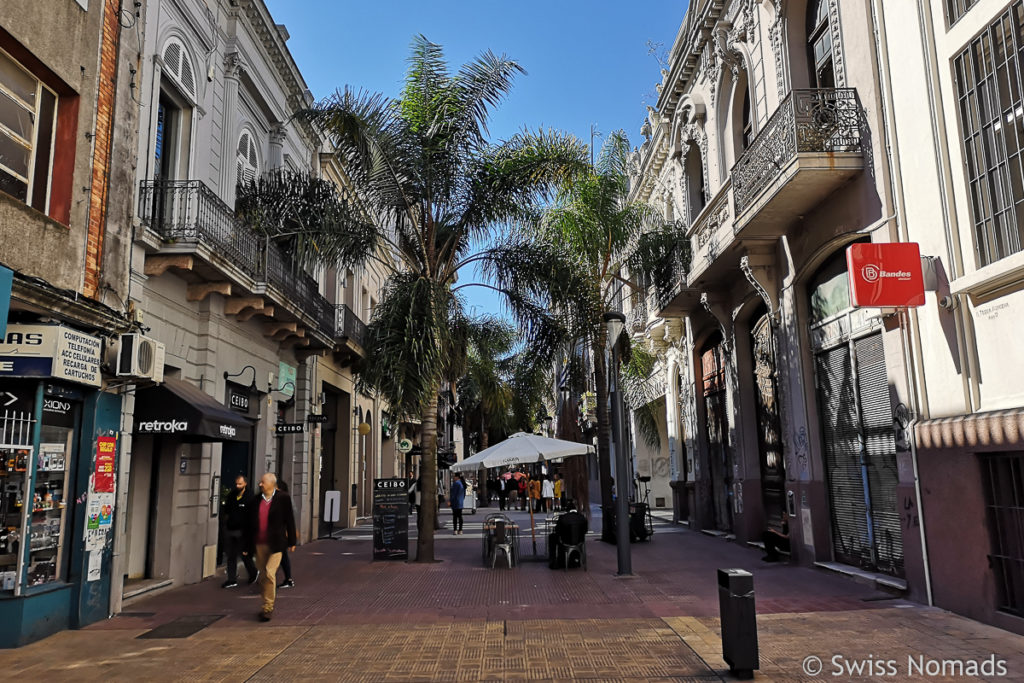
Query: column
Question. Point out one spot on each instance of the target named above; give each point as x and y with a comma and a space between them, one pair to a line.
229, 127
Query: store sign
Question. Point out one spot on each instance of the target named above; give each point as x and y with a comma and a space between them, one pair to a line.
238, 400
313, 418
404, 446
885, 275
106, 447
50, 351
289, 427
286, 376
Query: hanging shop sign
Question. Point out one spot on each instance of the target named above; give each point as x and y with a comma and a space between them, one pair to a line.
51, 351
313, 418
885, 275
404, 446
289, 427
238, 400
106, 446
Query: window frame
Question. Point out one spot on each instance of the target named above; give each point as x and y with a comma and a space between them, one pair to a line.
33, 145
814, 33
987, 118
255, 148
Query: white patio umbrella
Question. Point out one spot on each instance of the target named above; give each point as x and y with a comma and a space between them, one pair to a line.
522, 449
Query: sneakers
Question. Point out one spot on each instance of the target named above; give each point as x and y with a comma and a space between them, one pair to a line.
229, 584
254, 579
266, 616
287, 584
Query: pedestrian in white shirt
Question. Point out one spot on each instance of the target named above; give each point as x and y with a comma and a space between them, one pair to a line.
547, 492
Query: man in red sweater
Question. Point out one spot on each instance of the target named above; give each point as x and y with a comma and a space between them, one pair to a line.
270, 532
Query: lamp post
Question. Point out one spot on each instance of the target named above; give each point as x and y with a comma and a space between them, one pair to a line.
615, 321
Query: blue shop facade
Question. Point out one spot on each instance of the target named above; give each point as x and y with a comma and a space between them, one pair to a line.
59, 445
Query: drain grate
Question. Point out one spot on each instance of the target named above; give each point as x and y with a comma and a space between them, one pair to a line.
182, 627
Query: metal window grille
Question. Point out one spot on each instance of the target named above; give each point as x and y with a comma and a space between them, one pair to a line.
991, 111
1004, 489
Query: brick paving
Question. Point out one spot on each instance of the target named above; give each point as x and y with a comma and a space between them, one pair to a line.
352, 619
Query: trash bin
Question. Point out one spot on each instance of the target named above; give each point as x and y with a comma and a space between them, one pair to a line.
739, 621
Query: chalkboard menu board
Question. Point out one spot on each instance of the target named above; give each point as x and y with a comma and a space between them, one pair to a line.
390, 519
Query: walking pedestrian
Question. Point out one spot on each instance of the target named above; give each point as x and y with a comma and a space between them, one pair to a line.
286, 556
456, 499
558, 491
503, 488
547, 493
523, 492
236, 515
535, 494
270, 531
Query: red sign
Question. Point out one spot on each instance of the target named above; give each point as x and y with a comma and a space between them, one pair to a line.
885, 275
106, 446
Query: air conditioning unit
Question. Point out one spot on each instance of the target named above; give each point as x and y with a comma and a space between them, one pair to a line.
140, 356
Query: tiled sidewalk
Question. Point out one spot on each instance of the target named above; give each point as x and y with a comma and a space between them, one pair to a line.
351, 619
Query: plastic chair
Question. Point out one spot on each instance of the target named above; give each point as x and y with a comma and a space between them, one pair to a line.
503, 541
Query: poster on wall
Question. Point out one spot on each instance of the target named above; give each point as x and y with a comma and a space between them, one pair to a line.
95, 566
106, 447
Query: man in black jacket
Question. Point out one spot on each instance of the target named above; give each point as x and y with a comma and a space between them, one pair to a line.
270, 532
237, 506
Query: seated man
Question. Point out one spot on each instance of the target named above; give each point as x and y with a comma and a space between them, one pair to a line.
775, 540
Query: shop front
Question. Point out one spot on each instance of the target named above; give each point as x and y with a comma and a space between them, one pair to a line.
59, 443
175, 483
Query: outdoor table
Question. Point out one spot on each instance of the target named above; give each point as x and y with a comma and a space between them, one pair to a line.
489, 528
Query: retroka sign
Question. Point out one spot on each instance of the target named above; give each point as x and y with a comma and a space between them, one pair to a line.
885, 275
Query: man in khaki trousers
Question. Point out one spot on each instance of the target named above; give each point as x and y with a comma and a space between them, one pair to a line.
270, 532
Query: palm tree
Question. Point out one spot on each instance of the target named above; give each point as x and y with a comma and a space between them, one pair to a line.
578, 255
430, 187
485, 394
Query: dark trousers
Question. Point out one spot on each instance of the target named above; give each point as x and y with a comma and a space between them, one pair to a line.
233, 548
773, 543
456, 519
286, 565
502, 500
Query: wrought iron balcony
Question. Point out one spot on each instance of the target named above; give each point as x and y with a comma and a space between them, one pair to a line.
821, 126
349, 325
636, 321
189, 212
669, 278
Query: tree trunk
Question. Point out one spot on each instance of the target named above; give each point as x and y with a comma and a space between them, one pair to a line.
603, 419
428, 474
485, 439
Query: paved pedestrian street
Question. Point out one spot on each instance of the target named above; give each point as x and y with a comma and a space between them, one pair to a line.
351, 619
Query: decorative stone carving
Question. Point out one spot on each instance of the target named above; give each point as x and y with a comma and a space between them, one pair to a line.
838, 62
778, 32
233, 66
694, 133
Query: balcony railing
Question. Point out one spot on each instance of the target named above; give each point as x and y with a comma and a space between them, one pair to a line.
636, 321
669, 278
817, 121
349, 325
187, 211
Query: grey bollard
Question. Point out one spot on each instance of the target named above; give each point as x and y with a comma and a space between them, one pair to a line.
739, 621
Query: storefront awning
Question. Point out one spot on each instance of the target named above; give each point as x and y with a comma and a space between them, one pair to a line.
999, 429
179, 409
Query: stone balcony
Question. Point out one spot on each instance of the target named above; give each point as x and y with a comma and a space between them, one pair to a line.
194, 233
808, 148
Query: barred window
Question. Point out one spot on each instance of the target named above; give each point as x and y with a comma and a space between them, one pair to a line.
957, 8
988, 81
1003, 476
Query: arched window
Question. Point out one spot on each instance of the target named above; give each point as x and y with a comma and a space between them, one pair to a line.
178, 65
247, 161
693, 168
819, 45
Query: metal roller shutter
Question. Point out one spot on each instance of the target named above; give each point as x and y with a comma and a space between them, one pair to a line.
841, 432
880, 447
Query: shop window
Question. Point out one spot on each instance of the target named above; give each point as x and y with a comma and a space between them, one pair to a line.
819, 45
1003, 476
28, 123
991, 112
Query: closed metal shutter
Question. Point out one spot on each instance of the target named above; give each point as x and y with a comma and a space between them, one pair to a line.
841, 432
880, 448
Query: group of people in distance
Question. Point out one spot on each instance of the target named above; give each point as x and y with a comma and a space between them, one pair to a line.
260, 527
544, 492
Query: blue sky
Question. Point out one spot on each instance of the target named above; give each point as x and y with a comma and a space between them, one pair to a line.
586, 62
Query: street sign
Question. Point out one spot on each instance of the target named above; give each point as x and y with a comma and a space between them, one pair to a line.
289, 427
404, 446
885, 275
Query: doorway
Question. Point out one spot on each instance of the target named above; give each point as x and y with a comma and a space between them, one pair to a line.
720, 465
769, 430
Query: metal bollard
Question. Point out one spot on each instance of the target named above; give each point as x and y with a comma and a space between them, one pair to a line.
739, 621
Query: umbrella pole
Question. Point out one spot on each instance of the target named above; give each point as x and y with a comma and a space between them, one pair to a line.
533, 529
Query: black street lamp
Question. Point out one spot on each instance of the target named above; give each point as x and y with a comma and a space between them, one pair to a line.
615, 322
